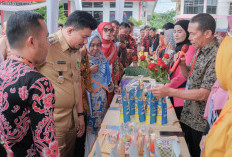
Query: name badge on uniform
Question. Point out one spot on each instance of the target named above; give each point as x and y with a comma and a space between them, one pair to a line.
60, 78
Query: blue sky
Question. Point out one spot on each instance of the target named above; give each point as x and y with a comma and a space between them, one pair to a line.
164, 5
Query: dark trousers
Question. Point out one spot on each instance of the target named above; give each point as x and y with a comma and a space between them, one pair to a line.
2, 151
178, 111
80, 144
193, 138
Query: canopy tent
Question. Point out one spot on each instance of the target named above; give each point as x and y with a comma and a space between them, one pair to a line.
53, 10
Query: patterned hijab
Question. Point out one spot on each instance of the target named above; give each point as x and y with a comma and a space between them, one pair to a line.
108, 47
103, 75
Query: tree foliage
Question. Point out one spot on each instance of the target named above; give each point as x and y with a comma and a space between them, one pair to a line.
159, 19
135, 22
62, 17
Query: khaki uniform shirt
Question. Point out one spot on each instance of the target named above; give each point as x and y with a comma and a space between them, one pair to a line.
62, 67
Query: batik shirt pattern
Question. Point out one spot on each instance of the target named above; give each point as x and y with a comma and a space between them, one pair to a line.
132, 45
26, 111
146, 43
203, 76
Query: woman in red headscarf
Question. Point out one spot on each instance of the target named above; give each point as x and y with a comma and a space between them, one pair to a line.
105, 29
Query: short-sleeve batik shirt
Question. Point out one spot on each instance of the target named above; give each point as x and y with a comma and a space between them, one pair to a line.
203, 76
26, 110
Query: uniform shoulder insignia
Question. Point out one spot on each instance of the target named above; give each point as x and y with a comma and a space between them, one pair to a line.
52, 39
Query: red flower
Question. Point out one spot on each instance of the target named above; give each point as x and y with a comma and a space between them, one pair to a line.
164, 66
166, 56
135, 59
156, 70
151, 66
159, 59
142, 58
159, 63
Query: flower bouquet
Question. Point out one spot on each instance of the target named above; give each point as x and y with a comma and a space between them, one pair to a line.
159, 69
143, 62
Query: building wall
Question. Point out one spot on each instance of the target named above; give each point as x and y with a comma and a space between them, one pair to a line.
106, 10
223, 7
220, 16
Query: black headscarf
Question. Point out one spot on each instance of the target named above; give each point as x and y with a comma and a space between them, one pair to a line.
184, 24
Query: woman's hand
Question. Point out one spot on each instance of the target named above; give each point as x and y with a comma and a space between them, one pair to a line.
94, 69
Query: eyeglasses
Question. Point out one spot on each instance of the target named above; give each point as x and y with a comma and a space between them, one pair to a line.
108, 30
93, 45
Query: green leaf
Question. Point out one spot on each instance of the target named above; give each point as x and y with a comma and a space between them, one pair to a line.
43, 11
159, 19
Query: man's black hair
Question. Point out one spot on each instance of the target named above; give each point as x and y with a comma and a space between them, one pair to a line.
145, 27
168, 26
131, 24
60, 25
205, 22
153, 29
124, 25
21, 25
80, 20
115, 22
142, 29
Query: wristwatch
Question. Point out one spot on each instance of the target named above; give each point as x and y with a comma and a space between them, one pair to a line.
81, 114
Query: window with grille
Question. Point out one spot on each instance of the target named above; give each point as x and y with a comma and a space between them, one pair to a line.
128, 5
98, 4
211, 6
112, 4
87, 4
112, 16
193, 6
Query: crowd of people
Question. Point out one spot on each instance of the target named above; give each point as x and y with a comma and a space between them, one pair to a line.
56, 89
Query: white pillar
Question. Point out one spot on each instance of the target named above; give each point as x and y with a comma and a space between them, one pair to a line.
52, 15
106, 11
78, 4
72, 6
182, 7
205, 6
119, 10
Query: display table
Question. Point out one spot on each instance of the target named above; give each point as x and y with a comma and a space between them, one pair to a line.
112, 117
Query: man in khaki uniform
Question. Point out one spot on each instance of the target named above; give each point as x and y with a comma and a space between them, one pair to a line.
62, 67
